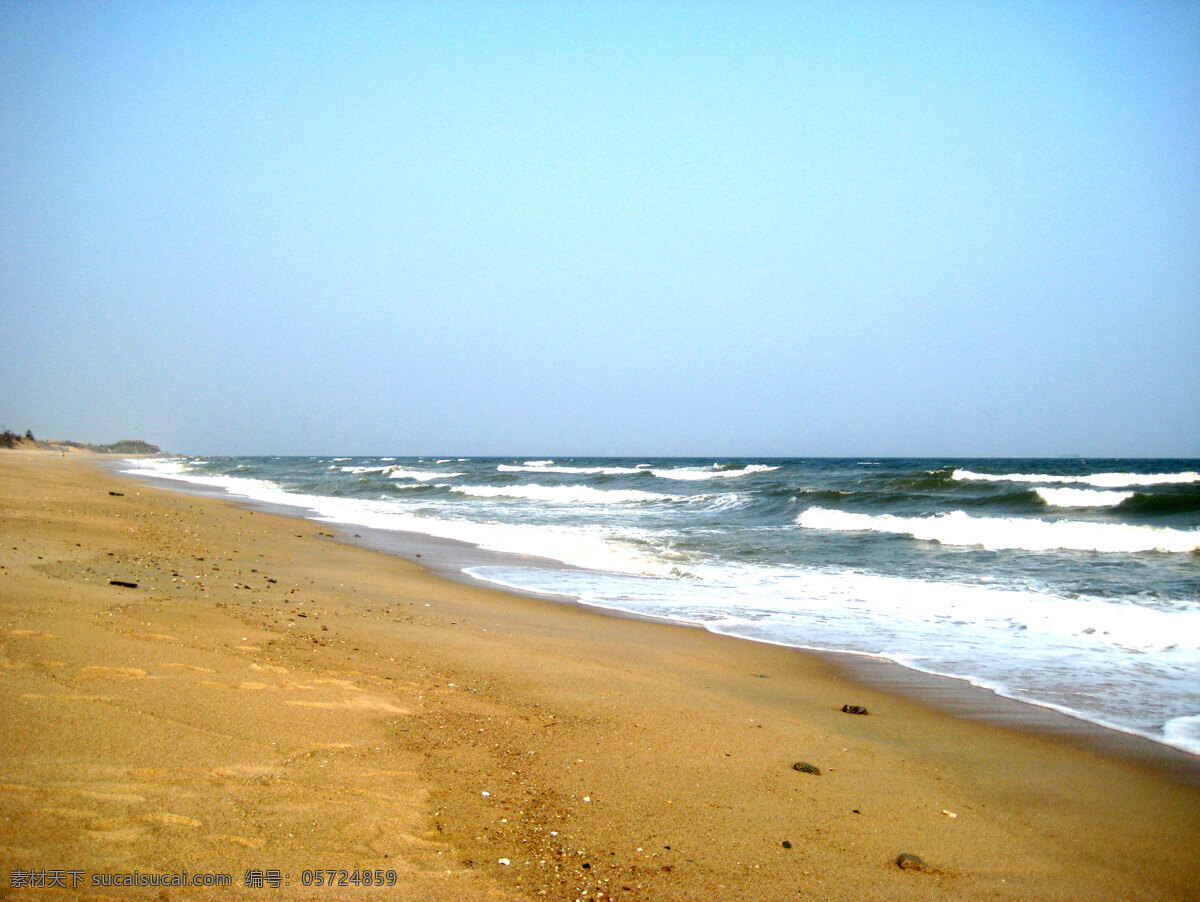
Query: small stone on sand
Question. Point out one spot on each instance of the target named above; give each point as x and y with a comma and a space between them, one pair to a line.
909, 862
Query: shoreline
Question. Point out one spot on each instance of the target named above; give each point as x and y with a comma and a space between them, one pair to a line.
266, 696
449, 559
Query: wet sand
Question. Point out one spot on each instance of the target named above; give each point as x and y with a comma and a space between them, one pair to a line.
269, 699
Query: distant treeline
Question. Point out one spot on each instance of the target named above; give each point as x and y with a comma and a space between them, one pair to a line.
10, 439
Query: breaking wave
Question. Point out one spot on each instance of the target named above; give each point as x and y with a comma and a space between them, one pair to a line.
1009, 533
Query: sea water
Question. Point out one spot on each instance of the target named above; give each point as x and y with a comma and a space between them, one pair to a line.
1072, 584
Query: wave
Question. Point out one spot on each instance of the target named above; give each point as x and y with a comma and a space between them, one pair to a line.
582, 546
1009, 533
549, 467
243, 486
1183, 732
418, 475
563, 494
1100, 480
716, 471
1178, 502
1082, 497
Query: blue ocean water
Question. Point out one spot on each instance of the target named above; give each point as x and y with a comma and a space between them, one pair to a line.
1072, 584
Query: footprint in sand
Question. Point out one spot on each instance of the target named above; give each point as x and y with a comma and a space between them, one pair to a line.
98, 672
271, 668
245, 771
70, 812
246, 841
341, 684
120, 798
116, 829
171, 820
357, 703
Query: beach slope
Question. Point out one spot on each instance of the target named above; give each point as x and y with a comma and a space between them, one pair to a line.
188, 686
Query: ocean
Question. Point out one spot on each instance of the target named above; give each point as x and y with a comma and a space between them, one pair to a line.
1067, 583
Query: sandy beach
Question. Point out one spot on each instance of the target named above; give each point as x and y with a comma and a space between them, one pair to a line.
189, 686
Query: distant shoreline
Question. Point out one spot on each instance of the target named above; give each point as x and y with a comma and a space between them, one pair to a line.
10, 441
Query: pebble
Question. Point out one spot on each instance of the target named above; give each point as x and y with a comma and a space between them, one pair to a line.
786, 844
909, 862
805, 768
854, 709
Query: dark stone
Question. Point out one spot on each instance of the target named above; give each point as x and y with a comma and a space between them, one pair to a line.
121, 582
854, 709
786, 844
805, 768
909, 862
117, 494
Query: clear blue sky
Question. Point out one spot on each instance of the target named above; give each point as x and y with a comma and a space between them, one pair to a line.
603, 228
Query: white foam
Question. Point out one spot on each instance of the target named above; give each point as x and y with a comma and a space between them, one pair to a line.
1082, 497
593, 548
1011, 533
395, 472
241, 486
716, 471
563, 494
1184, 733
1100, 480
548, 467
1024, 642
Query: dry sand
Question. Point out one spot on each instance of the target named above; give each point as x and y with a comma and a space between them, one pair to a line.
268, 699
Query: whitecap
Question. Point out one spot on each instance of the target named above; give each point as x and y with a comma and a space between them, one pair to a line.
1099, 480
1082, 497
550, 468
1011, 533
395, 472
563, 494
716, 471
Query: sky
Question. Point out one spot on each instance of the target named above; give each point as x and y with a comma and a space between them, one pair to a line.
644, 228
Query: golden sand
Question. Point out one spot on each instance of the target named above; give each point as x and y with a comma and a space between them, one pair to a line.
272, 704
